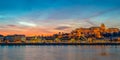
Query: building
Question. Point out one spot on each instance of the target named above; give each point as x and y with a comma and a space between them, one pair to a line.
9, 38
97, 32
14, 38
1, 38
111, 30
19, 38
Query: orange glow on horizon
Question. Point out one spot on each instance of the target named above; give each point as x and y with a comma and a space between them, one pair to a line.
5, 33
44, 34
31, 31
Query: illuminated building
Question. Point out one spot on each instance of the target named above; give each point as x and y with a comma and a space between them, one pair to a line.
14, 38
20, 38
1, 38
9, 38
93, 32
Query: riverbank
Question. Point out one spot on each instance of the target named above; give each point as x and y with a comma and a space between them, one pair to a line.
59, 43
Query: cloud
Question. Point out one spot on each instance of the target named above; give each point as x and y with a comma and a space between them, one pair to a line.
87, 19
62, 27
11, 25
27, 24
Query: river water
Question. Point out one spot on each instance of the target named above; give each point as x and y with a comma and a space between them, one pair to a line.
59, 52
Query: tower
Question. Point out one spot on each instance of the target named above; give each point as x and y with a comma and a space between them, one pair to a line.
103, 27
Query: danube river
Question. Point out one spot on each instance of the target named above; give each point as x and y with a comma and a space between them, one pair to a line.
59, 52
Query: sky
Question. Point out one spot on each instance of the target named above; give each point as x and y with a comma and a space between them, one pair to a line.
37, 17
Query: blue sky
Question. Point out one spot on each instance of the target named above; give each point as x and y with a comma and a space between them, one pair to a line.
19, 16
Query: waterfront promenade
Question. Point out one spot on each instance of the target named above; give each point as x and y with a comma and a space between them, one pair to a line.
113, 43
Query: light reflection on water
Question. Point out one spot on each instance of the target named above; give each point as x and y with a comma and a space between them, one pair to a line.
59, 52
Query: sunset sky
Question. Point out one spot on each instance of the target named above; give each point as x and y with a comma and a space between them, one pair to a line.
36, 17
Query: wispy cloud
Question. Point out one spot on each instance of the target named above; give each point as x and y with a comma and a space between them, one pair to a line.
62, 27
11, 25
27, 24
97, 14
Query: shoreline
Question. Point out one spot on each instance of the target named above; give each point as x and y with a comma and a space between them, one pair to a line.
59, 43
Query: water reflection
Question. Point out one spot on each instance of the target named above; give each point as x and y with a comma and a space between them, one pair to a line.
59, 52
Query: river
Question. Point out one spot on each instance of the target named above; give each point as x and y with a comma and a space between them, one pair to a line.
45, 52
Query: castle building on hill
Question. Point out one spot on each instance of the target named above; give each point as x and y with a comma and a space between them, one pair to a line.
96, 31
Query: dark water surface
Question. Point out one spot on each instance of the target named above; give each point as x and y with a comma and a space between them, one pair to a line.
59, 52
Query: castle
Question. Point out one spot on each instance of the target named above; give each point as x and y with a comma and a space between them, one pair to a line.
97, 31
94, 33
